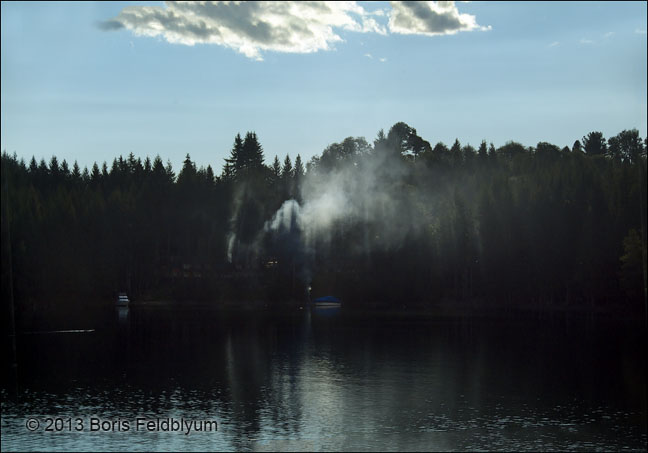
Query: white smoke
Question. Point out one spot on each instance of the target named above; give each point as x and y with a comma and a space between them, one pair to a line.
353, 193
286, 216
237, 202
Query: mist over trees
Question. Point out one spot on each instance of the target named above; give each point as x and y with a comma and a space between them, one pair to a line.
397, 222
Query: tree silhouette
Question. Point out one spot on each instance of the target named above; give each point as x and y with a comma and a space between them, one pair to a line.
513, 227
594, 144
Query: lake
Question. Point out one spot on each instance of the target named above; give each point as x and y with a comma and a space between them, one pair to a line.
301, 381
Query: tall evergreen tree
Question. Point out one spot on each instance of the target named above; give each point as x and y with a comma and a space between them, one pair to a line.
65, 170
276, 169
76, 172
298, 173
299, 168
287, 170
54, 169
188, 174
456, 156
147, 166
235, 160
594, 144
33, 166
253, 152
483, 151
209, 174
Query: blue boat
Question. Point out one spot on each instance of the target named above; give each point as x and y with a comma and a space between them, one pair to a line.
327, 300
327, 305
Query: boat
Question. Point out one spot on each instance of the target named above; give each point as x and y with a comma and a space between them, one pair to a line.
122, 300
327, 305
327, 302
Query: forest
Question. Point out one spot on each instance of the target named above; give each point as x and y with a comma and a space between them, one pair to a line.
397, 223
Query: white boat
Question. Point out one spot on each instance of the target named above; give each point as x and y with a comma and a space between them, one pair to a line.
122, 300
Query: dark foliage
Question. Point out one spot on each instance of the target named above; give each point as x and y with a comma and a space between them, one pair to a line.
510, 227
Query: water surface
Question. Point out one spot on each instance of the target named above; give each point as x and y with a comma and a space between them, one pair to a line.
296, 382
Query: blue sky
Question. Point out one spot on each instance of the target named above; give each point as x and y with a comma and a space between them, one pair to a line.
91, 81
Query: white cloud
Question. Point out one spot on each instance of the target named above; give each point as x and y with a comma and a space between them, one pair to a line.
608, 34
554, 44
249, 27
252, 28
586, 41
382, 60
368, 55
430, 18
640, 32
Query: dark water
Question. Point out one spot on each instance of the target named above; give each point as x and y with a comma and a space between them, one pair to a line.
298, 382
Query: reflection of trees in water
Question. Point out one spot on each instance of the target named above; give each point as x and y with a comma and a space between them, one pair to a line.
201, 362
284, 385
378, 379
262, 362
246, 364
384, 383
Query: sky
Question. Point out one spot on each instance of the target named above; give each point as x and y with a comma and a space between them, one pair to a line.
88, 82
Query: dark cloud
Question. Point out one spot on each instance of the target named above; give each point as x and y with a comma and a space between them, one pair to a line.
435, 22
110, 25
430, 18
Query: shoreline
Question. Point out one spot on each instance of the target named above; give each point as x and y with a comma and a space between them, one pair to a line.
442, 311
77, 314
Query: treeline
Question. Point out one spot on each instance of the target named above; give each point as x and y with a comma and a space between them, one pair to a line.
508, 226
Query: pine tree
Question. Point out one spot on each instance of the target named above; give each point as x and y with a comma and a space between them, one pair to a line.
54, 169
188, 174
456, 156
209, 176
234, 162
298, 177
299, 168
276, 168
275, 175
287, 171
287, 178
380, 142
95, 175
169, 171
492, 154
483, 151
33, 166
594, 143
65, 170
253, 152
76, 172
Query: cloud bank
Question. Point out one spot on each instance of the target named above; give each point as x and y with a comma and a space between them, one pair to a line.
252, 28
